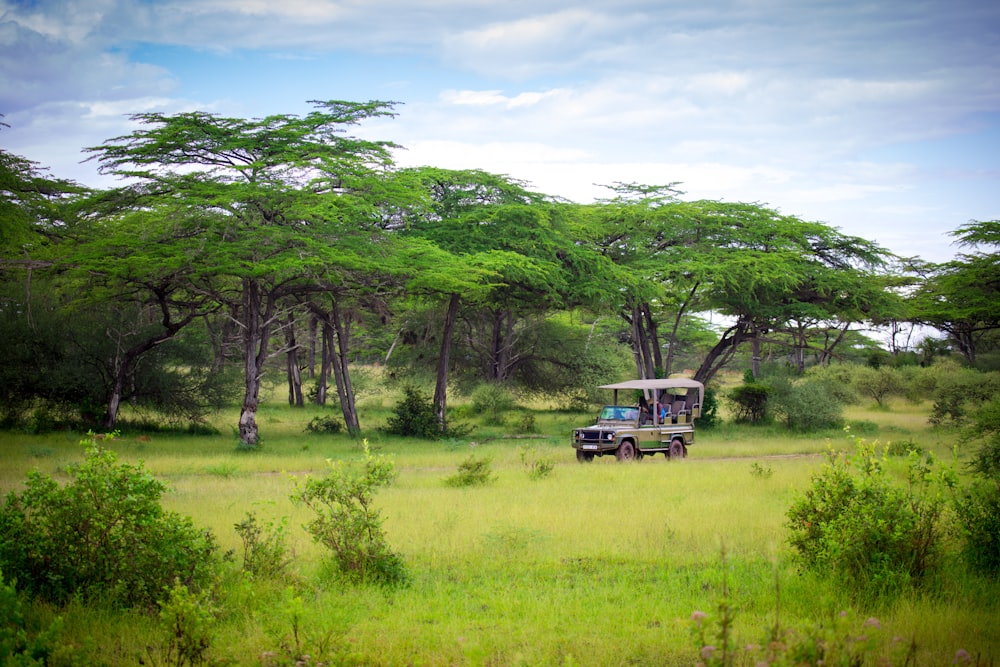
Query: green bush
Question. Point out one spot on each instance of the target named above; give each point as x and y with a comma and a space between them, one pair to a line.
978, 506
186, 620
103, 536
414, 416
347, 522
878, 383
23, 645
709, 410
978, 510
264, 549
472, 472
750, 402
838, 378
806, 405
959, 392
493, 401
538, 467
875, 537
326, 424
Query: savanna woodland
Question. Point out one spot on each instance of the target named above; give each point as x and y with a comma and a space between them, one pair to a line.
275, 400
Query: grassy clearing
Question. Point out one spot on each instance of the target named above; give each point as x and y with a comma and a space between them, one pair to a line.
598, 564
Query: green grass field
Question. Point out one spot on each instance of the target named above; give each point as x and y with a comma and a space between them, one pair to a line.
594, 564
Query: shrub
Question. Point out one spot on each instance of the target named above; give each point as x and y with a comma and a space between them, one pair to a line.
539, 467
750, 402
326, 424
806, 405
838, 378
878, 383
347, 522
709, 410
959, 392
978, 506
414, 416
472, 472
493, 401
24, 645
102, 535
978, 511
264, 550
875, 537
186, 620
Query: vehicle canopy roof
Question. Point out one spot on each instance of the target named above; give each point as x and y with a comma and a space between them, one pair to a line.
659, 384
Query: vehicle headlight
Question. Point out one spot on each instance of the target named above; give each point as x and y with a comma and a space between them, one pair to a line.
611, 436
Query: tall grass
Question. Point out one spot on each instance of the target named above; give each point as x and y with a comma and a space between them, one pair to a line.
597, 564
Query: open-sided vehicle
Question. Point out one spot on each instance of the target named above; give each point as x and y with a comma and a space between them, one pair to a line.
661, 419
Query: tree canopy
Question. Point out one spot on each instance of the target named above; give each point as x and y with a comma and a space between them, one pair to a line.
286, 236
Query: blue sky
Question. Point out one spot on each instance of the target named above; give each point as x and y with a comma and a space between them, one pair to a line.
879, 118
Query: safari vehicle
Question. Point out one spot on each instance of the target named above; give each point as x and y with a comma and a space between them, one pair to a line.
661, 419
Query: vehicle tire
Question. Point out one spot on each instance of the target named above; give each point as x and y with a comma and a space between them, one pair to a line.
625, 452
638, 454
677, 450
584, 457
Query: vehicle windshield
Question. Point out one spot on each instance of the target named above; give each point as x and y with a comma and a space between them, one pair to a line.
619, 413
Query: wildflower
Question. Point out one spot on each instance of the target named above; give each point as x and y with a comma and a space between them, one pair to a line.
962, 657
873, 623
698, 617
707, 651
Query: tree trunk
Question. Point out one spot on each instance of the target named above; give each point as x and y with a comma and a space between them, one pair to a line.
444, 360
755, 356
257, 313
341, 371
641, 341
722, 352
292, 365
653, 339
668, 366
827, 353
128, 361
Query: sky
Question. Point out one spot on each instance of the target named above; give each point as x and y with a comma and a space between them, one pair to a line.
879, 118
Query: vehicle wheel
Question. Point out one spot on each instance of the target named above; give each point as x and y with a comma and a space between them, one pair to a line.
638, 454
677, 449
584, 457
625, 452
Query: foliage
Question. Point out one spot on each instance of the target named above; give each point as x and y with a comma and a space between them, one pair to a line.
709, 410
960, 297
750, 402
186, 620
414, 416
977, 509
347, 522
959, 392
325, 424
978, 506
878, 383
264, 548
473, 471
838, 379
873, 536
24, 646
805, 405
61, 358
102, 536
493, 400
538, 467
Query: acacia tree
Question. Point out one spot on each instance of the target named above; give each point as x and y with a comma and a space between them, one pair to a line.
763, 271
272, 205
962, 297
451, 221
